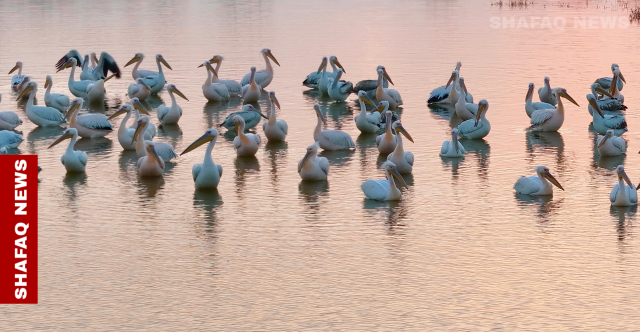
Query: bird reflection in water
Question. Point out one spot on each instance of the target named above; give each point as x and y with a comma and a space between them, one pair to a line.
622, 216
97, 106
171, 131
365, 146
152, 102
394, 212
548, 142
148, 187
544, 206
127, 162
480, 150
216, 112
313, 194
337, 158
100, 145
73, 183
442, 112
277, 156
210, 202
339, 113
244, 166
40, 134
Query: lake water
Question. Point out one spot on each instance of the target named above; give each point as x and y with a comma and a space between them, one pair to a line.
267, 252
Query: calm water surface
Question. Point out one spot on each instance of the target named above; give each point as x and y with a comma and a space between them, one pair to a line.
270, 253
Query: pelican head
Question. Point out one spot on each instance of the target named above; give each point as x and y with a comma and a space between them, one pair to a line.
209, 135
614, 66
16, 67
126, 108
543, 171
454, 139
606, 136
316, 107
238, 122
72, 62
388, 115
362, 95
32, 87
592, 101
142, 123
160, 59
397, 126
616, 71
207, 64
597, 88
390, 169
622, 175
47, 81
383, 72
483, 106
458, 65
562, 92
546, 81
268, 53
338, 75
323, 64
76, 104
250, 108
172, 89
312, 150
530, 91
462, 85
141, 82
273, 99
334, 60
136, 58
151, 149
67, 134
216, 59
454, 76
253, 74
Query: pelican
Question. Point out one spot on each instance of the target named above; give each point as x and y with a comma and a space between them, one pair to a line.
104, 65
172, 114
551, 119
613, 89
125, 135
370, 86
151, 164
539, 185
41, 116
234, 87
605, 82
263, 76
605, 104
324, 80
452, 148
440, 95
139, 73
18, 78
339, 90
164, 150
367, 123
312, 167
274, 130
244, 144
628, 196
313, 79
92, 90
73, 161
384, 190
251, 91
476, 128
249, 114
9, 139
206, 174
530, 106
56, 100
464, 110
89, 125
390, 95
138, 108
156, 82
139, 89
602, 123
9, 120
214, 91
403, 160
388, 141
330, 139
611, 145
545, 93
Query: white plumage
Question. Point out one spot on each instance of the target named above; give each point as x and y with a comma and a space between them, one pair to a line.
385, 94
206, 174
139, 90
330, 139
602, 123
539, 185
465, 110
313, 79
402, 159
234, 88
441, 95
171, 114
89, 125
154, 80
274, 129
384, 190
245, 144
477, 128
530, 106
9, 139
17, 79
73, 161
214, 91
551, 119
339, 90
251, 92
263, 77
56, 100
452, 148
545, 93
311, 167
40, 115
611, 145
624, 193
9, 120
125, 134
151, 164
367, 123
163, 150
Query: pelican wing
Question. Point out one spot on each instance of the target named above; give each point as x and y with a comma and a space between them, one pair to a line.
312, 80
439, 94
72, 54
133, 89
60, 99
283, 126
468, 127
614, 193
152, 81
196, 170
339, 138
165, 151
236, 143
345, 87
233, 87
619, 143
219, 170
108, 64
527, 185
376, 189
48, 113
9, 139
446, 146
615, 121
82, 157
374, 118
254, 138
395, 95
366, 85
221, 90
94, 121
324, 164
10, 118
540, 117
143, 73
162, 111
610, 105
408, 156
261, 76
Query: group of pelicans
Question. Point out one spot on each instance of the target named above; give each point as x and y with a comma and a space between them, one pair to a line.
546, 115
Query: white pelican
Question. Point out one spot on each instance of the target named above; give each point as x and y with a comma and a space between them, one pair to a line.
530, 106
151, 164
56, 100
325, 77
611, 145
440, 95
206, 174
605, 101
164, 150
263, 76
551, 119
312, 79
330, 139
251, 91
464, 110
605, 82
9, 120
368, 123
384, 190
274, 129
613, 89
41, 116
388, 141
89, 125
390, 95
142, 73
171, 114
156, 82
539, 185
139, 89
104, 65
312, 167
125, 134
249, 114
452, 148
370, 86
214, 91
73, 161
245, 144
545, 93
92, 90
402, 159
17, 79
623, 194
339, 90
476, 128
234, 87
9, 139
602, 123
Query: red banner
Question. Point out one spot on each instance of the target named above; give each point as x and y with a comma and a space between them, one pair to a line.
18, 229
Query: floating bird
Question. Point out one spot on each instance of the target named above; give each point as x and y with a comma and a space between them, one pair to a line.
602, 123
539, 185
263, 76
312, 79
370, 86
545, 93
452, 148
440, 95
73, 161
551, 119
312, 167
151, 164
156, 82
249, 114
339, 90
367, 123
125, 135
9, 139
136, 72
18, 78
623, 194
611, 145
214, 91
476, 128
104, 65
251, 91
274, 129
171, 114
530, 106
9, 120
388, 141
164, 150
245, 144
385, 190
330, 139
40, 115
613, 89
605, 82
56, 100
139, 89
323, 82
234, 87
385, 94
206, 174
89, 125
605, 102
92, 90
464, 110
402, 159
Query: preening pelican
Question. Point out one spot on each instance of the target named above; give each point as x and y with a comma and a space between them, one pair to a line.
602, 123
89, 125
539, 185
251, 91
56, 100
452, 148
464, 110
312, 167
274, 129
139, 89
41, 116
623, 194
390, 95
330, 139
385, 190
9, 139
214, 91
151, 164
476, 128
18, 78
92, 90
245, 144
545, 93
530, 106
263, 76
325, 76
125, 135
235, 88
605, 82
368, 123
9, 120
164, 150
73, 161
171, 114
551, 119
611, 145
312, 79
613, 89
249, 114
370, 86
206, 174
604, 100
402, 159
104, 65
339, 90
440, 95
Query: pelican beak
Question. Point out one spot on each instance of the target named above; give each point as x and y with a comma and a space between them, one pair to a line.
207, 137
622, 78
398, 177
337, 63
46, 84
95, 58
595, 106
623, 174
251, 108
481, 108
603, 92
25, 92
464, 86
121, 111
529, 93
13, 69
134, 60
368, 100
138, 130
176, 91
379, 108
62, 138
164, 62
404, 132
606, 137
270, 55
454, 140
552, 179
323, 65
108, 78
566, 95
384, 73
153, 150
451, 79
275, 101
145, 84
320, 115
306, 157
66, 65
236, 125
72, 109
137, 105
